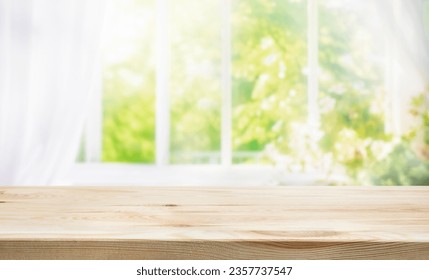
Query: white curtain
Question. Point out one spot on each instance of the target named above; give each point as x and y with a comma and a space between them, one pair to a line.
404, 24
48, 53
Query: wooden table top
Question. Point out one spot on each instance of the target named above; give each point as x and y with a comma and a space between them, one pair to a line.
214, 223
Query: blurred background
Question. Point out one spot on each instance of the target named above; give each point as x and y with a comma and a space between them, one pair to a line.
331, 92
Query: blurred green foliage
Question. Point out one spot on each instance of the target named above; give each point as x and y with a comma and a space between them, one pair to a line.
129, 84
403, 167
269, 87
269, 84
408, 163
195, 83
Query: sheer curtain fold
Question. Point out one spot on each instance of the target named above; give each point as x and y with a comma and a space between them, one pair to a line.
48, 53
405, 26
405, 30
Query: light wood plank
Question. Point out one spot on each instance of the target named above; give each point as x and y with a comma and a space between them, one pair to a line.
215, 223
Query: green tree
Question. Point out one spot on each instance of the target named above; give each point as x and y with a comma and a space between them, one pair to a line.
269, 87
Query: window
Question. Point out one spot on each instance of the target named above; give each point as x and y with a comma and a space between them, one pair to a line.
298, 87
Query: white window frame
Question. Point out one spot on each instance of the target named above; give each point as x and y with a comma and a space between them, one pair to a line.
93, 172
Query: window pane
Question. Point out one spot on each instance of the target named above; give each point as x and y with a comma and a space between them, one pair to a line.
352, 93
269, 81
195, 85
129, 82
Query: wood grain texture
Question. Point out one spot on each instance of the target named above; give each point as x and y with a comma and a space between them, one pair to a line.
215, 223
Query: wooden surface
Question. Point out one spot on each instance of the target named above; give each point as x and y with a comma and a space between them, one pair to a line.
215, 223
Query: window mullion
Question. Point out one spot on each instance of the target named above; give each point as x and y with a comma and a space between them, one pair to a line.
94, 126
313, 62
393, 106
388, 67
162, 83
226, 132
396, 101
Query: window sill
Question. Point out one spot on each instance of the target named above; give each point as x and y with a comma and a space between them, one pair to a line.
215, 223
110, 174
